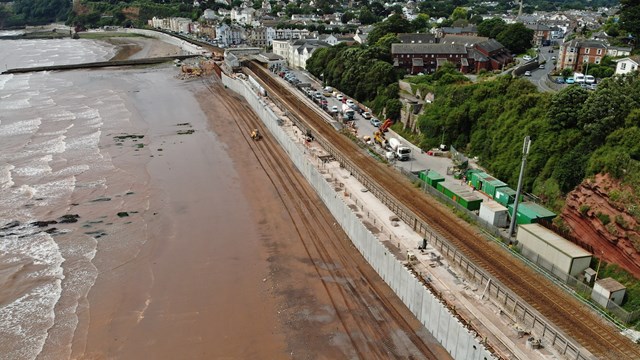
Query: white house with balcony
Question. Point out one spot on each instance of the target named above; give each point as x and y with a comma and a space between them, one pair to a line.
297, 52
627, 65
228, 35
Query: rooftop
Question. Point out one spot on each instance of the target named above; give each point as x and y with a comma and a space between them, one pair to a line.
561, 244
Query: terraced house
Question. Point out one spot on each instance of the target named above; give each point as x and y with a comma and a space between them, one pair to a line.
469, 54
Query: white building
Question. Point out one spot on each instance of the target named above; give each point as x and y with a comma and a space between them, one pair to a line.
551, 251
627, 65
229, 35
243, 16
297, 52
606, 290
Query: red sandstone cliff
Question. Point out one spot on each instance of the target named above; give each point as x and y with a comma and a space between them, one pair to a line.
586, 212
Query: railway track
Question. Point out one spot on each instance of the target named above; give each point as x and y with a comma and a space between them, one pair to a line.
558, 307
358, 295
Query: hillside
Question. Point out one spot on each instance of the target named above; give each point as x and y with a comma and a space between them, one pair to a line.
584, 156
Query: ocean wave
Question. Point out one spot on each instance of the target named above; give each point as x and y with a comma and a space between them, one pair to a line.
6, 181
31, 292
20, 127
35, 167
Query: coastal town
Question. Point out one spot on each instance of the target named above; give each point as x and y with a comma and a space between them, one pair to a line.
491, 263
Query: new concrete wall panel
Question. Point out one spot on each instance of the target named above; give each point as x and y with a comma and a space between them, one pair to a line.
453, 331
434, 317
418, 297
423, 316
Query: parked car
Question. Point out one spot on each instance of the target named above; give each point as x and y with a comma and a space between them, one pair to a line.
339, 97
526, 58
334, 109
559, 80
350, 102
541, 66
527, 73
375, 122
570, 81
366, 115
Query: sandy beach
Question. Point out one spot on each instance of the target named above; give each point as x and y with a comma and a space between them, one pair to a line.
212, 260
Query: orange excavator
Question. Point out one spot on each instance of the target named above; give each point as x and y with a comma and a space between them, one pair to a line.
386, 125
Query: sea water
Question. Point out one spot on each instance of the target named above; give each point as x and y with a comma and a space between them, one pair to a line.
51, 163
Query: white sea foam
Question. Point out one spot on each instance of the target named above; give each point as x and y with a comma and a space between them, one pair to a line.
55, 189
35, 167
20, 127
29, 316
5, 176
4, 79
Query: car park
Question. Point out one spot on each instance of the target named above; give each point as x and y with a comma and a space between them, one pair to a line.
375, 122
527, 73
366, 115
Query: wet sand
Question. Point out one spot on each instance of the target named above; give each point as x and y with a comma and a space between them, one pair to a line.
222, 270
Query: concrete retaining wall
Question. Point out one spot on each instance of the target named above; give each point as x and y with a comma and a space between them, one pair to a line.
460, 342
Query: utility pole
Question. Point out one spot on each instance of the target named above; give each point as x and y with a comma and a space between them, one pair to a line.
525, 151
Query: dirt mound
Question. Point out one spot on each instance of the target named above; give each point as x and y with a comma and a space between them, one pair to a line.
596, 213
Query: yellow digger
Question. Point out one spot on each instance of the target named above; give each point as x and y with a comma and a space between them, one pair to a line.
255, 135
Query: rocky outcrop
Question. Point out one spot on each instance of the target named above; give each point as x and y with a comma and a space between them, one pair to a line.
598, 212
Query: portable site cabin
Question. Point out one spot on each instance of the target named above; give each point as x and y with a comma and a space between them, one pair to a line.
505, 196
605, 290
529, 212
551, 251
494, 214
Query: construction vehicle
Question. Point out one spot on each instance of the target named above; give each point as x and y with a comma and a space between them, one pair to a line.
255, 135
400, 151
347, 113
386, 125
378, 138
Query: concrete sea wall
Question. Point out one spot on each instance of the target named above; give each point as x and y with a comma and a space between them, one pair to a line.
454, 336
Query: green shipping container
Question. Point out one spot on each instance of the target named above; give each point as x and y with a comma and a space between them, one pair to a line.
505, 196
469, 200
529, 213
422, 175
447, 191
440, 187
477, 177
489, 187
433, 178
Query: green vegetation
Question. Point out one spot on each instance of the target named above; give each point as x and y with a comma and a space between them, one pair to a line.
575, 133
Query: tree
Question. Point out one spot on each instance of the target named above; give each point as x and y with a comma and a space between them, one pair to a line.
394, 24
367, 17
459, 13
491, 27
516, 37
421, 23
346, 17
630, 16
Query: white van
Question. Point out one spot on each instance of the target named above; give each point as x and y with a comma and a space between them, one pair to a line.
589, 79
578, 77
